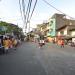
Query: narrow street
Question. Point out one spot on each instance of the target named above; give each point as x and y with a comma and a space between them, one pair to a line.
28, 59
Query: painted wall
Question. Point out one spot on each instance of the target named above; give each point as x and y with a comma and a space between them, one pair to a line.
62, 32
52, 25
73, 40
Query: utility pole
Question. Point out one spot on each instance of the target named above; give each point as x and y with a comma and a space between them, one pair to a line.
29, 26
29, 29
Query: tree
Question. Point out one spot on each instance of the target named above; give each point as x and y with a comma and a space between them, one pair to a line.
10, 28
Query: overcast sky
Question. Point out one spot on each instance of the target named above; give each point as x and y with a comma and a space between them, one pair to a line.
9, 10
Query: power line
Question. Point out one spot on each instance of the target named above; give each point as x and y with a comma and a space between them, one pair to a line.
57, 9
26, 15
32, 13
33, 10
20, 9
23, 9
28, 12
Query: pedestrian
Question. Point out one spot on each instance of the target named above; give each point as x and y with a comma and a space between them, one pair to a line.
41, 41
15, 43
10, 43
6, 44
62, 43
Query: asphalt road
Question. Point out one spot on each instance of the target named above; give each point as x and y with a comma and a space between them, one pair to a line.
28, 59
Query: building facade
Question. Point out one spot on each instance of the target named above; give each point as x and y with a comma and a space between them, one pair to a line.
59, 21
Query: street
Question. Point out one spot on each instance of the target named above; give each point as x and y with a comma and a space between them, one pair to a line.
28, 59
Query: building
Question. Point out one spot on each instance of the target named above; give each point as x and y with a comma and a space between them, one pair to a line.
51, 28
59, 25
57, 21
43, 28
67, 32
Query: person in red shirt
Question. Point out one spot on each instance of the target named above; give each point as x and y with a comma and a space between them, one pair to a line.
62, 43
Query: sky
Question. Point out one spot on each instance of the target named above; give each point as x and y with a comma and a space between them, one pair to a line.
10, 12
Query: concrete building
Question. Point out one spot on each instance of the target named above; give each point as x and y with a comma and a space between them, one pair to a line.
58, 21
43, 28
67, 32
60, 25
61, 20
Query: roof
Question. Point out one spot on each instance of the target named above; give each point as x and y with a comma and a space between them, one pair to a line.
71, 27
61, 27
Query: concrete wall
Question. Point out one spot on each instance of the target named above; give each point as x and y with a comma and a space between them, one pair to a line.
64, 32
72, 33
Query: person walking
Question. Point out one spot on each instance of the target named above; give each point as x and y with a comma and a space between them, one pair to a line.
62, 43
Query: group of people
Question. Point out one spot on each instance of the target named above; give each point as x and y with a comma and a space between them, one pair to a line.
41, 41
8, 43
